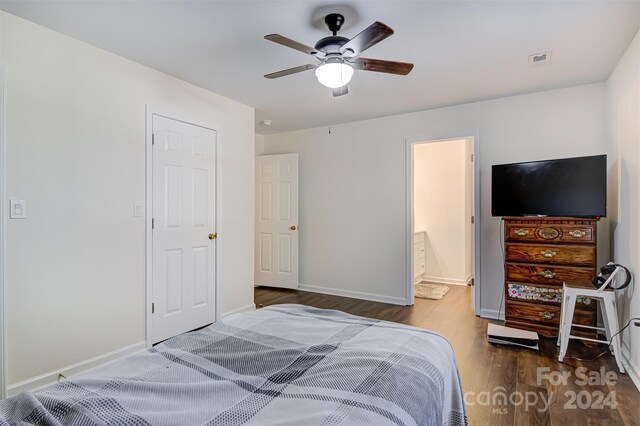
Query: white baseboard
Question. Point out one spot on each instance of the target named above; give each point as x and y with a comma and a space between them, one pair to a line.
442, 280
354, 294
51, 377
632, 369
492, 314
246, 308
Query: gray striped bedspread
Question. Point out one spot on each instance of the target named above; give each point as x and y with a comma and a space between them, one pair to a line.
280, 365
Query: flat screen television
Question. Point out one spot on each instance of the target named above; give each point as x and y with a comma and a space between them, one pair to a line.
562, 187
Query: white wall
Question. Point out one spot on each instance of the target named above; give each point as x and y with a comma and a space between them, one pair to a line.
352, 182
259, 144
420, 203
439, 208
75, 134
623, 108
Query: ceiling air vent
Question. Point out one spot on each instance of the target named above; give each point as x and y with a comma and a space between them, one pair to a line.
539, 59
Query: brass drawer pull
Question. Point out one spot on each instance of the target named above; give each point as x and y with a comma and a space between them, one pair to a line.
521, 232
548, 274
577, 233
547, 315
548, 253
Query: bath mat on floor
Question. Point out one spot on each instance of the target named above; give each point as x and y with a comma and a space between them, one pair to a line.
430, 291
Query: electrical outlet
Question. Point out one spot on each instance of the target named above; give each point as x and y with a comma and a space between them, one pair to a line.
18, 209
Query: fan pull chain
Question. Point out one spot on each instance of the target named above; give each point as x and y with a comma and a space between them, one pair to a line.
330, 112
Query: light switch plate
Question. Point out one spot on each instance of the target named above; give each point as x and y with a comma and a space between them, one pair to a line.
18, 209
138, 211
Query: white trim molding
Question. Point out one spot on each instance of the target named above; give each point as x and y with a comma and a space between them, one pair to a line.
246, 308
51, 377
353, 294
443, 280
3, 246
492, 314
632, 369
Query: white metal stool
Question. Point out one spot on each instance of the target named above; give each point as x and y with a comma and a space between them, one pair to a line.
606, 297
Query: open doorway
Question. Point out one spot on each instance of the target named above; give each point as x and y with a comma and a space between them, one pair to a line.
442, 213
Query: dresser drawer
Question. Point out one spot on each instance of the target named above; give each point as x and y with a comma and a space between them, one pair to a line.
577, 233
547, 274
548, 330
551, 254
518, 232
551, 233
544, 313
545, 330
543, 293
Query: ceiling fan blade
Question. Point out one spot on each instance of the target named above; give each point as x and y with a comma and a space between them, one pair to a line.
371, 35
379, 65
277, 38
290, 71
340, 91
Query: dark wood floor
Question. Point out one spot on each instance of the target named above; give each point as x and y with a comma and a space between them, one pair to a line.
501, 370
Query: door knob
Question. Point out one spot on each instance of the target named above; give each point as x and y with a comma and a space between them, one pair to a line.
293, 227
213, 236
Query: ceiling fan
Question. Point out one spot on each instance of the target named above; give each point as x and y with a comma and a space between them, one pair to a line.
338, 56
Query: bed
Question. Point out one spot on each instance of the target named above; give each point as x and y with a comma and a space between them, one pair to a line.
283, 364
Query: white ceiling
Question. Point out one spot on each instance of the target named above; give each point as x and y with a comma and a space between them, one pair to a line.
462, 51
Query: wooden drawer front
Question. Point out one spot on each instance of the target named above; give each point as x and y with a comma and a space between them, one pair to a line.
528, 273
521, 232
547, 330
545, 314
551, 233
542, 329
552, 254
577, 233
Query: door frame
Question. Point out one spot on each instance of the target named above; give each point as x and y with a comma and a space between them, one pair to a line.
172, 113
3, 246
475, 260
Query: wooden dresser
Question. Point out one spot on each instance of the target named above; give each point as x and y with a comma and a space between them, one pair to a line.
540, 254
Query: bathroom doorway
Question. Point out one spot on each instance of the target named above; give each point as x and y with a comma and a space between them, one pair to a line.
443, 217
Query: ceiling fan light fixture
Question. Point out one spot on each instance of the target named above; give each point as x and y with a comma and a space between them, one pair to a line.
334, 74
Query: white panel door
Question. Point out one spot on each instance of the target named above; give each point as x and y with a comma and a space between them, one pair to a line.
277, 220
184, 269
